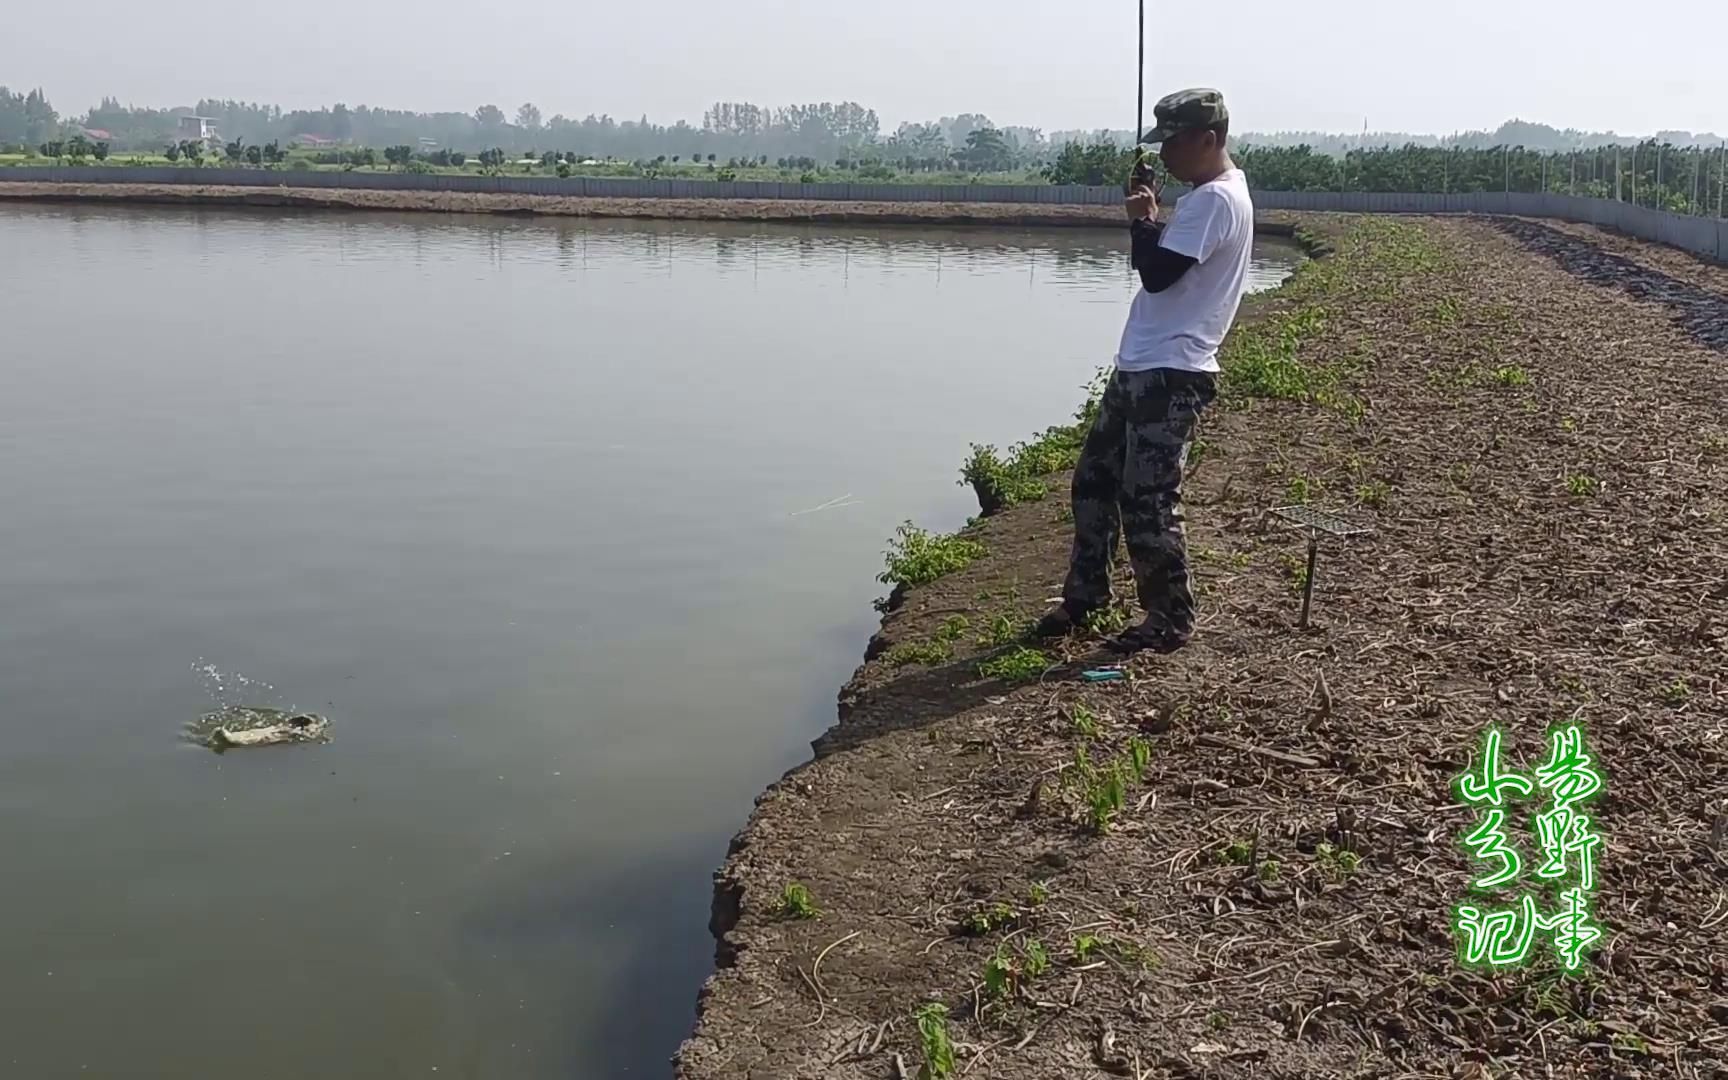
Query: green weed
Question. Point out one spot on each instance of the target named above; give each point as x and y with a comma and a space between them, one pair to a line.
1141, 752
1016, 665
997, 483
1269, 870
1373, 494
1260, 358
1037, 958
1676, 693
916, 557
1299, 490
1336, 863
934, 1040
1085, 721
1582, 485
1107, 621
918, 652
1447, 310
797, 903
1003, 631
938, 649
1236, 852
1568, 425
985, 920
1038, 894
1085, 945
1001, 977
1295, 569
1511, 375
1217, 1021
1105, 797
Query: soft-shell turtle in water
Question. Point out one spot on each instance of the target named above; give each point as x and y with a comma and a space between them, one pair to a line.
251, 725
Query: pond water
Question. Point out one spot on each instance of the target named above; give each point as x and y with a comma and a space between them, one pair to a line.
570, 529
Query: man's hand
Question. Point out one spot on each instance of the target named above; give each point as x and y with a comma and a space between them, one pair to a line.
1142, 203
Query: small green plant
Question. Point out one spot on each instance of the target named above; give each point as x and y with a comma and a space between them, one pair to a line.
1217, 1021
1582, 485
797, 903
1037, 958
1295, 570
918, 652
1141, 753
1001, 977
1447, 311
1631, 1042
1085, 945
1107, 621
1017, 665
1085, 721
1568, 425
1002, 632
933, 1039
1373, 494
1336, 863
1105, 796
1038, 894
992, 917
998, 484
1677, 693
1298, 491
1511, 375
917, 557
1083, 770
1269, 870
1715, 446
1236, 852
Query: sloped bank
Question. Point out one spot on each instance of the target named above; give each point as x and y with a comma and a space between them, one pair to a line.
449, 202
1242, 860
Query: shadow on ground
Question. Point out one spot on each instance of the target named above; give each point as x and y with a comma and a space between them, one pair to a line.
1702, 314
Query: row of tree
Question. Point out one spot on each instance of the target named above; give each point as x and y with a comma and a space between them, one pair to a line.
1684, 179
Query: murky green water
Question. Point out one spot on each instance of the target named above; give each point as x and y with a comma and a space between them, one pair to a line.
569, 529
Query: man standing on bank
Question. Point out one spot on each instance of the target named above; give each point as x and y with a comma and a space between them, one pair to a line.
1129, 478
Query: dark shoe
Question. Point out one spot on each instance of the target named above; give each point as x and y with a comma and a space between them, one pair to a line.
1060, 621
1148, 637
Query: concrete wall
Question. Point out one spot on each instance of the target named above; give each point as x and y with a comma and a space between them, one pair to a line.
1705, 236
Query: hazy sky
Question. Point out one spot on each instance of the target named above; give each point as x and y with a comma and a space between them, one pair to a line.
1322, 64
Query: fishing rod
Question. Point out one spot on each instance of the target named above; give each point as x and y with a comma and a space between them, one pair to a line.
1141, 175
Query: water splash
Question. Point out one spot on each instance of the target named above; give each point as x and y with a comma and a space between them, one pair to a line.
231, 690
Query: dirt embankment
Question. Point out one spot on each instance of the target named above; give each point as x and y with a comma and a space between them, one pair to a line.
447, 202
793, 211
1543, 459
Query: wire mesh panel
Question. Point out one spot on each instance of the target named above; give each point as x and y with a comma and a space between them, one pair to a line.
1305, 517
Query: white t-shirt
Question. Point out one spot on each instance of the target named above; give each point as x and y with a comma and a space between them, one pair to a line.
1183, 326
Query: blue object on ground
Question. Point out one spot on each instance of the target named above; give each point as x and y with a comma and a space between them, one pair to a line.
1106, 675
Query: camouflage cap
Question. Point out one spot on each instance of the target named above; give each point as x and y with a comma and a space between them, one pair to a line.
1186, 110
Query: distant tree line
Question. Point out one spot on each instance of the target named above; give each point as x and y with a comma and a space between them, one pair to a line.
1661, 175
1674, 170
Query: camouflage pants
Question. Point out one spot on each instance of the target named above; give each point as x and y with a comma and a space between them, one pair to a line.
1129, 480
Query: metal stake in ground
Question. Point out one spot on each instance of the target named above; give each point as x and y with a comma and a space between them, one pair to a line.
1313, 523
